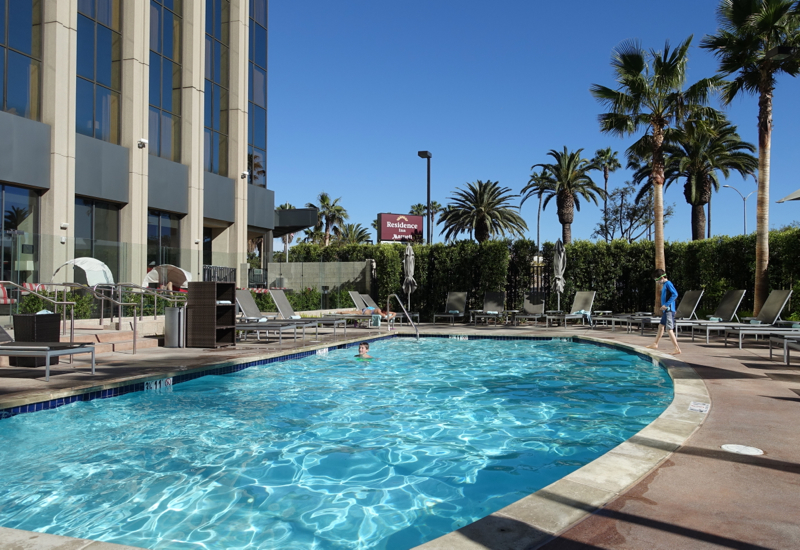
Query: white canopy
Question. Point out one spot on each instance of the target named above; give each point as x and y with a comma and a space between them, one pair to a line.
97, 273
166, 273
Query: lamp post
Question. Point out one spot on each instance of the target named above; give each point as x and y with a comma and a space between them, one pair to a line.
744, 200
427, 155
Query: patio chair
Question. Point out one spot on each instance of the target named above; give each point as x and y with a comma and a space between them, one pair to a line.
581, 309
768, 318
287, 312
725, 312
493, 308
454, 308
787, 341
370, 303
278, 327
530, 311
358, 301
249, 309
10, 348
686, 309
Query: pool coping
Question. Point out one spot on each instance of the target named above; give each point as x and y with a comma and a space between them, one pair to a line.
528, 523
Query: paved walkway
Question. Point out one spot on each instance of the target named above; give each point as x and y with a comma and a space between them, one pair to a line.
693, 495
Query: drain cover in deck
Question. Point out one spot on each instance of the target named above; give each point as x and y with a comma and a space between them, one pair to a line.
742, 450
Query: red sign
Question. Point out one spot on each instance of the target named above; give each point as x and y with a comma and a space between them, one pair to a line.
399, 227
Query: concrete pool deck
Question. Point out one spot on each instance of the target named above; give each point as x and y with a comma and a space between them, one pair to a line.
670, 486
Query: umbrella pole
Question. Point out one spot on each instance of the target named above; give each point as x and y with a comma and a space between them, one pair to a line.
559, 301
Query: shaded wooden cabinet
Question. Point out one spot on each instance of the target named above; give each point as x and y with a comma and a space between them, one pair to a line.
211, 315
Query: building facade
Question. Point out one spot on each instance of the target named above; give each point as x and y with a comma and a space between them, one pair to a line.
134, 132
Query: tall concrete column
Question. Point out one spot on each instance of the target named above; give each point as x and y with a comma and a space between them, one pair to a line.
194, 14
135, 100
59, 71
237, 140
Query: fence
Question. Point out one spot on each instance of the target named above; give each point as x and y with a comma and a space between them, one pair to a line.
219, 274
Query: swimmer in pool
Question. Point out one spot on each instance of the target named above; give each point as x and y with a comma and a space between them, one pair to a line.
363, 351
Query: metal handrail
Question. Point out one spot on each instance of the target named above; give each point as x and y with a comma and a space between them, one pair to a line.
180, 297
55, 303
399, 301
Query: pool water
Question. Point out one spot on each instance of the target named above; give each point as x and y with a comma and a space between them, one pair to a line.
326, 452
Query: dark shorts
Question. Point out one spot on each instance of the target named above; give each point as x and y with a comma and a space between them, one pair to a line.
668, 320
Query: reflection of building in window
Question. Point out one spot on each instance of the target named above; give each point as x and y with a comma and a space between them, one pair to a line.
215, 139
20, 56
19, 252
208, 238
99, 69
163, 239
165, 79
257, 94
97, 234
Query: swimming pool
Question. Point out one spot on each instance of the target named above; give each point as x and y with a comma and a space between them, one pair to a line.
328, 451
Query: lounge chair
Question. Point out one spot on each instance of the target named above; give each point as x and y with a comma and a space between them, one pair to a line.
249, 308
768, 317
370, 303
767, 332
10, 348
287, 312
581, 308
725, 312
493, 308
787, 341
530, 311
454, 308
685, 313
359, 304
277, 327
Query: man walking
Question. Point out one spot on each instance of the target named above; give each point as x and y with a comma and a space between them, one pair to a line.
668, 297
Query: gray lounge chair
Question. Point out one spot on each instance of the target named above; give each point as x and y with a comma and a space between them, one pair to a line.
287, 312
454, 308
581, 308
369, 302
684, 313
767, 318
530, 311
277, 327
249, 309
10, 348
725, 312
493, 308
358, 301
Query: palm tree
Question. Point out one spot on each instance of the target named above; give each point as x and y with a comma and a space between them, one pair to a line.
483, 209
607, 161
650, 97
420, 209
569, 176
749, 32
313, 236
286, 239
330, 214
351, 233
700, 152
538, 185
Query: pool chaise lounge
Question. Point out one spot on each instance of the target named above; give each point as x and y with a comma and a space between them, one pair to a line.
683, 314
581, 309
277, 327
359, 304
250, 311
455, 307
768, 317
47, 350
493, 308
286, 311
530, 311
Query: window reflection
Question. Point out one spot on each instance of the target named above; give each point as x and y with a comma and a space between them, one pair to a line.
97, 233
257, 131
216, 86
165, 78
20, 57
163, 238
19, 254
99, 69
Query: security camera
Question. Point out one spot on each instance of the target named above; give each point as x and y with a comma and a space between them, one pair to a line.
64, 226
245, 174
197, 241
142, 143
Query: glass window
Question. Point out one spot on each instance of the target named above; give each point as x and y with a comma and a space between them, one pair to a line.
19, 251
20, 60
165, 78
97, 232
208, 238
99, 69
257, 96
163, 238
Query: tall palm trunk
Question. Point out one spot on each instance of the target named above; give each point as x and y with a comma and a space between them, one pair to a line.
698, 222
605, 199
566, 233
658, 204
762, 204
538, 218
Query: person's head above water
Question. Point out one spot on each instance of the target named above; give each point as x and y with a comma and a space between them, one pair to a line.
363, 350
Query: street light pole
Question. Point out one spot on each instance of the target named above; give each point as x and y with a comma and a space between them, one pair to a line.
744, 200
427, 155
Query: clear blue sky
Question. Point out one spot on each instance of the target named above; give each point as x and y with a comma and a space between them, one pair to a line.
357, 87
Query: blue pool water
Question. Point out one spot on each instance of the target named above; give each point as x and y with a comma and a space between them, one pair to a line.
327, 452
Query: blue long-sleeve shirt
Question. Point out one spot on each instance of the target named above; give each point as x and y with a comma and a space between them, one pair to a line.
668, 295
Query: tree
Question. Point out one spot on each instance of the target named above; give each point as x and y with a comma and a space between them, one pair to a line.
351, 233
314, 236
330, 214
482, 209
650, 97
569, 176
420, 209
748, 31
626, 217
539, 185
289, 237
700, 151
606, 160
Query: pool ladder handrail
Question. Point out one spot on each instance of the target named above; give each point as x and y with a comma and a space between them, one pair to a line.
399, 301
